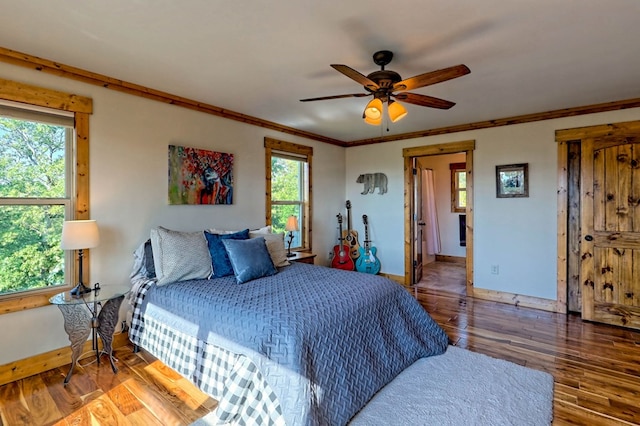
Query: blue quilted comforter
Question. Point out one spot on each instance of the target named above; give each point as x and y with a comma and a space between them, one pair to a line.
347, 334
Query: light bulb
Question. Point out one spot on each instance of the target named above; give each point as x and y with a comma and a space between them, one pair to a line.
374, 109
373, 121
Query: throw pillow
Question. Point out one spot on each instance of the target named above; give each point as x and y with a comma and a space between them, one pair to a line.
263, 230
180, 256
249, 258
219, 231
275, 245
148, 259
219, 257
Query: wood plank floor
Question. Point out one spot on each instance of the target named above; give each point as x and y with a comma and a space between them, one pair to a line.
447, 277
596, 370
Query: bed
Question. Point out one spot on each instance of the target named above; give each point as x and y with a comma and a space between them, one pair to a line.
306, 345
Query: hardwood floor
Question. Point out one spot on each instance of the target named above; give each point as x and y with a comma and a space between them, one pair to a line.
596, 370
143, 392
449, 277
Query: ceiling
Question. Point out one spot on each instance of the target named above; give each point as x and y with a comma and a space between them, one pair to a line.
259, 58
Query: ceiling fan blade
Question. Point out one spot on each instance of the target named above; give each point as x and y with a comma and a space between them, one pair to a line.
432, 77
424, 100
356, 76
323, 98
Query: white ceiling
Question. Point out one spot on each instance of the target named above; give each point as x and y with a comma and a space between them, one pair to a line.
260, 57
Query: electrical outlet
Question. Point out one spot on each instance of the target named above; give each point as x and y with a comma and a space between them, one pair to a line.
495, 269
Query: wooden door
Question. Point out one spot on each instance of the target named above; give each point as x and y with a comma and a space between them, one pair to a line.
610, 222
418, 222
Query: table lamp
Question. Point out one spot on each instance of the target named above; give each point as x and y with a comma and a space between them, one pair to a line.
291, 226
79, 235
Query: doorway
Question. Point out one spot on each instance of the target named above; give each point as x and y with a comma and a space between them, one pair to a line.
415, 255
441, 210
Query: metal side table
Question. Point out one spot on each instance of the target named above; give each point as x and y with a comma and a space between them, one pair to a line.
88, 314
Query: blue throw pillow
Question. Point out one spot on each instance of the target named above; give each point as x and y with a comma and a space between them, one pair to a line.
219, 257
250, 259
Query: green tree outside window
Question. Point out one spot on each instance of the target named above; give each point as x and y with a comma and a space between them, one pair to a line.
32, 204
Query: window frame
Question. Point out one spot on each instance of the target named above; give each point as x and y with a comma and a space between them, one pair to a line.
282, 149
81, 107
457, 168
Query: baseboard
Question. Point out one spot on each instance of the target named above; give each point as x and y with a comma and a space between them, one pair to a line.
39, 363
516, 299
451, 259
396, 278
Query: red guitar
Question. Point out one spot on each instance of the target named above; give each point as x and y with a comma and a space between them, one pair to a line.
341, 258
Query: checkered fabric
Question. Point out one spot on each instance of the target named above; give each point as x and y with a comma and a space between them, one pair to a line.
244, 397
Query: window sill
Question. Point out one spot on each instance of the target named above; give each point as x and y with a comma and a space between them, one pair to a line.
21, 302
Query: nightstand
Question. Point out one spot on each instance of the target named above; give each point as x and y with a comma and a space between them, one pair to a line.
88, 314
302, 257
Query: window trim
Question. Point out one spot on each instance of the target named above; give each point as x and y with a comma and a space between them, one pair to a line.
273, 147
81, 107
455, 190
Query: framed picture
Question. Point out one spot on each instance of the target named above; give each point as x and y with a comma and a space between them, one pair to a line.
512, 181
198, 176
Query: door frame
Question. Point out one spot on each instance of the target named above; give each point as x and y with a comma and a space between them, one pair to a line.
564, 138
409, 154
418, 232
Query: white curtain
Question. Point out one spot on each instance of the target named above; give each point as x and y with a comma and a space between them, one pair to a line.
429, 213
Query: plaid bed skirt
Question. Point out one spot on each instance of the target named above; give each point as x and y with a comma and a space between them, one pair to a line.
244, 397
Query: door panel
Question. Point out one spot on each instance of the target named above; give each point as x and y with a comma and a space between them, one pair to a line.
610, 254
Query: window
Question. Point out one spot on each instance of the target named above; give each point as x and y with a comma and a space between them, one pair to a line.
35, 150
44, 179
288, 178
458, 187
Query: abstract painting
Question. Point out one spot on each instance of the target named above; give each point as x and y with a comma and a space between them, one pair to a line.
198, 176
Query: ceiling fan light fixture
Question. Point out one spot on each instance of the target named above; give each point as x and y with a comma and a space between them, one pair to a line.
396, 111
373, 110
372, 121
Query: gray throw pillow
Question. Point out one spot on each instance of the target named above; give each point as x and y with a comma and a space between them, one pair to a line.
180, 256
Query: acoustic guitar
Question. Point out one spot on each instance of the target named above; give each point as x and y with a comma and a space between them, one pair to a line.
341, 258
367, 262
350, 235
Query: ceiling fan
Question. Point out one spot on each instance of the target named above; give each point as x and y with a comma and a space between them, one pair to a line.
384, 84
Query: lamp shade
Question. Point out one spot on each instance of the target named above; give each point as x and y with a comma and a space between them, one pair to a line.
396, 111
374, 109
79, 234
373, 122
292, 224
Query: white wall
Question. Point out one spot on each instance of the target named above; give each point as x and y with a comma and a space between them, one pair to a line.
517, 234
128, 159
448, 221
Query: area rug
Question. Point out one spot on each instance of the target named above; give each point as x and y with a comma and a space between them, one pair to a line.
461, 387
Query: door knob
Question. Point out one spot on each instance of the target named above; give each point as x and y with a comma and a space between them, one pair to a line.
588, 238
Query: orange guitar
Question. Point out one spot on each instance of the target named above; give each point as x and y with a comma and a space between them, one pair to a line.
341, 258
351, 236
